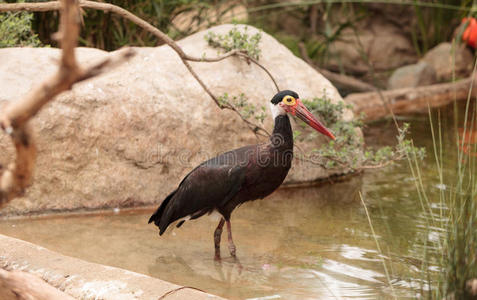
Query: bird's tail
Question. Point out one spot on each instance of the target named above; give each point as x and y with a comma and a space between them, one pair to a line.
157, 216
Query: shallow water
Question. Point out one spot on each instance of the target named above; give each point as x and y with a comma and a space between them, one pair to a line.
303, 243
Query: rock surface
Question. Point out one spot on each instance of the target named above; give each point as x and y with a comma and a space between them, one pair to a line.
412, 76
448, 60
376, 42
85, 280
129, 136
18, 285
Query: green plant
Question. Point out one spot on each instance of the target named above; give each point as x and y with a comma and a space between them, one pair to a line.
247, 110
108, 31
348, 149
235, 39
434, 25
15, 30
455, 252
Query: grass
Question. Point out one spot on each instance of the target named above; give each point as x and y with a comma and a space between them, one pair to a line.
450, 210
109, 31
457, 215
16, 31
378, 247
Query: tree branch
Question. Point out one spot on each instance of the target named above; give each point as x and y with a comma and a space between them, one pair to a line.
15, 116
107, 7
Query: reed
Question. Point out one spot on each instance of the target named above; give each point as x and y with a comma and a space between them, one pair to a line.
451, 214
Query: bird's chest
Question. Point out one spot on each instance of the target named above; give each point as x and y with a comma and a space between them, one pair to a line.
267, 175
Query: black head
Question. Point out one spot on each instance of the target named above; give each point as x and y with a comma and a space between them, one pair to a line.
288, 102
279, 96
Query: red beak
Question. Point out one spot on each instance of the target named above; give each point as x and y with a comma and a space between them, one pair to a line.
305, 115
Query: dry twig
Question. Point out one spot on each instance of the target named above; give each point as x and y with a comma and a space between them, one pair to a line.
13, 120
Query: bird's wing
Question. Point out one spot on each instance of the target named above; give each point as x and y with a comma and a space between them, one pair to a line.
211, 184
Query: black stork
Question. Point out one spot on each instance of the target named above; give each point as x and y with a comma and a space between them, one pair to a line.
244, 174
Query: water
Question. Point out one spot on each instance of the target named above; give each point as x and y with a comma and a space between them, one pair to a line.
306, 243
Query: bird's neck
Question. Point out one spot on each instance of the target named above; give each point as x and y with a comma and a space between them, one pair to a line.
282, 136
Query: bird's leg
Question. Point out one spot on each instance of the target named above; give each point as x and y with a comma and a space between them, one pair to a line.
217, 235
232, 248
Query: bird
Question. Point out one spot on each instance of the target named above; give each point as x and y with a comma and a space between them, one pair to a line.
245, 174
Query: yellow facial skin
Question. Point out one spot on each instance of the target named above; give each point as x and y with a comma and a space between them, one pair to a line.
289, 100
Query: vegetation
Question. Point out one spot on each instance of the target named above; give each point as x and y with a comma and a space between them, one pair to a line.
447, 252
458, 210
346, 150
236, 40
16, 30
319, 24
429, 23
178, 18
246, 109
433, 23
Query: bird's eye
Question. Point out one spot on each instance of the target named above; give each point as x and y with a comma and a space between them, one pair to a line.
289, 100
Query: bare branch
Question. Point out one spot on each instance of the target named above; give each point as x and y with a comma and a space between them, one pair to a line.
246, 56
15, 116
107, 7
18, 174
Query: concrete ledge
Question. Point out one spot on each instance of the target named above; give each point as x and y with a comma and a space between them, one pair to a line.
85, 280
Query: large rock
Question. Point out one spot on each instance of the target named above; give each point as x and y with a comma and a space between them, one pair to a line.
129, 136
374, 43
412, 76
448, 60
78, 278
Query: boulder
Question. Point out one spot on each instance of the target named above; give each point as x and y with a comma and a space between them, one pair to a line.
18, 285
412, 76
376, 43
448, 60
128, 136
66, 278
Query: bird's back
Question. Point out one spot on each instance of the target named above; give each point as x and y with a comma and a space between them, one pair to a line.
222, 183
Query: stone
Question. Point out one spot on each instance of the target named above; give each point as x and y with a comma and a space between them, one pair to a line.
375, 43
81, 279
18, 285
414, 75
448, 60
128, 137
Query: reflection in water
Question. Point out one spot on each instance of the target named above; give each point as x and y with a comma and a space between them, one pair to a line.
304, 243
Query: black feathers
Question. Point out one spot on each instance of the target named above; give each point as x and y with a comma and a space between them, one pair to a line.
156, 217
180, 223
279, 96
204, 189
232, 178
